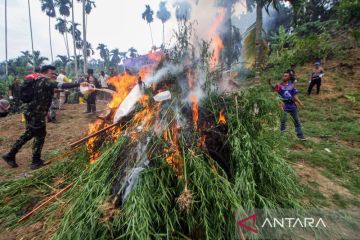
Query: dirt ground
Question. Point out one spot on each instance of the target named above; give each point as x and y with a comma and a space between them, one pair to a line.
72, 124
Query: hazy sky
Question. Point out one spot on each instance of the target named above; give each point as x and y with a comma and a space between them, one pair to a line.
116, 23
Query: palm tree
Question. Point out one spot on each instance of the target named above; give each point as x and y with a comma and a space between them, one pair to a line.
31, 32
115, 57
164, 15
182, 10
104, 53
260, 4
72, 29
148, 16
37, 59
89, 50
64, 60
6, 46
133, 52
61, 26
48, 7
87, 6
64, 10
26, 56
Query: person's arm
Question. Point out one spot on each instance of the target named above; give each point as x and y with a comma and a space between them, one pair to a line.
71, 85
297, 100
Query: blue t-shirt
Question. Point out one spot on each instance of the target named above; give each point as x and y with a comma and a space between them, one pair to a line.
287, 91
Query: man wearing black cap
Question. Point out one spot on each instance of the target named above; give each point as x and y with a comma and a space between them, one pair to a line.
35, 111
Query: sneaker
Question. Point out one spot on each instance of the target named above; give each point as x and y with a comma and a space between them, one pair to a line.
37, 164
302, 138
10, 160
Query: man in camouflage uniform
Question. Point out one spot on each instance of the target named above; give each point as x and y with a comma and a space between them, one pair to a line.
35, 114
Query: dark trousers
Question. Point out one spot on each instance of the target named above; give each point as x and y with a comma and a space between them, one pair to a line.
314, 82
91, 103
295, 117
35, 128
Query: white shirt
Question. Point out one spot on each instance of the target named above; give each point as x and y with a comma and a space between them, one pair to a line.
102, 80
61, 78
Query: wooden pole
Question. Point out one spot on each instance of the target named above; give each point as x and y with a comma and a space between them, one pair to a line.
45, 202
92, 135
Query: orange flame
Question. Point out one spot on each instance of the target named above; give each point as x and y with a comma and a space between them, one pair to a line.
221, 119
90, 144
217, 42
195, 110
173, 156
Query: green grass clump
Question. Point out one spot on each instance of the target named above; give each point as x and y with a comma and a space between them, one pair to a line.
82, 219
18, 196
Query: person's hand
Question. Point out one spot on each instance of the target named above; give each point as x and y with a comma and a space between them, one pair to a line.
302, 106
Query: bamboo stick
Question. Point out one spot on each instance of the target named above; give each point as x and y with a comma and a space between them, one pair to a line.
45, 202
92, 135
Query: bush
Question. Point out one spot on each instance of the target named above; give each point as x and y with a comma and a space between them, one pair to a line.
348, 11
316, 27
4, 84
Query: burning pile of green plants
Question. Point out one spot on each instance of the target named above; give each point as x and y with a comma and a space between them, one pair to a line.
185, 165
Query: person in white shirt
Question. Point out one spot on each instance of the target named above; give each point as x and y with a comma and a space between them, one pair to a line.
102, 79
62, 78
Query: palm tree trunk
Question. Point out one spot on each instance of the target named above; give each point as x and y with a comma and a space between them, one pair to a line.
258, 37
31, 33
6, 46
152, 39
73, 34
84, 36
51, 50
163, 34
66, 46
67, 41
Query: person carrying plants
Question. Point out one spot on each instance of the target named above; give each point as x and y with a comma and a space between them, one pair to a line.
288, 94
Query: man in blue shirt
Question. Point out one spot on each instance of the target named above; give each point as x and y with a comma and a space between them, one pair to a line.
288, 94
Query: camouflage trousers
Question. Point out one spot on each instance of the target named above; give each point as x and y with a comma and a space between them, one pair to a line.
35, 128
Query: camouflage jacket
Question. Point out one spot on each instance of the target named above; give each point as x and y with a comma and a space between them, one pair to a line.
43, 93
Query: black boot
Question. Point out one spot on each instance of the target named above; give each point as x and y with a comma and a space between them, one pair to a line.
36, 163
9, 158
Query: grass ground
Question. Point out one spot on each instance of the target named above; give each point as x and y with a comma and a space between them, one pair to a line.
329, 162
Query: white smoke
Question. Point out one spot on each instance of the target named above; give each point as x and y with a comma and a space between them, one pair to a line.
168, 69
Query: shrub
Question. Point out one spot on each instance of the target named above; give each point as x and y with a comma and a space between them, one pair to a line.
348, 11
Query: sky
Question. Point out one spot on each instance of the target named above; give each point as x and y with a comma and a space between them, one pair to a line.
116, 23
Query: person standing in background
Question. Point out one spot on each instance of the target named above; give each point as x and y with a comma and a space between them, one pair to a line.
102, 79
91, 98
62, 78
316, 78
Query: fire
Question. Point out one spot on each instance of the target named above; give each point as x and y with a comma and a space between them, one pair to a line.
123, 84
221, 119
156, 56
195, 110
173, 156
217, 42
90, 144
